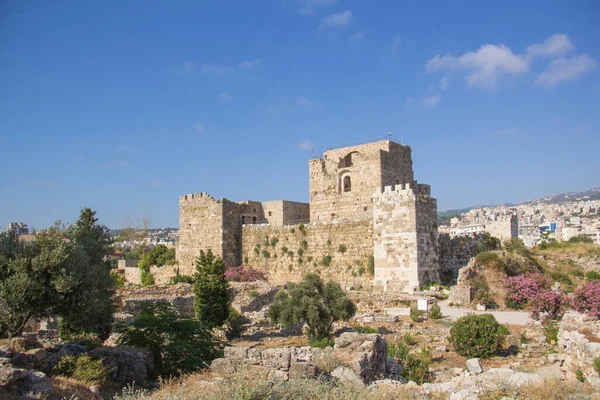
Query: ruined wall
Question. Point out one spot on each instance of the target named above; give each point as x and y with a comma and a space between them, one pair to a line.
282, 212
455, 252
343, 181
294, 250
504, 229
405, 246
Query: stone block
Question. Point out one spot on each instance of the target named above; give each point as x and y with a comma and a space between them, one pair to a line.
346, 374
302, 370
395, 312
235, 352
277, 358
225, 366
474, 366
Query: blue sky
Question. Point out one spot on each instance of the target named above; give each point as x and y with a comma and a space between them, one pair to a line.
123, 106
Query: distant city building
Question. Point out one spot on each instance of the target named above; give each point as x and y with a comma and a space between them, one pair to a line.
20, 228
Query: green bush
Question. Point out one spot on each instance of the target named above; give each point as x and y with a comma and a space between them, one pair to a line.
284, 250
146, 278
415, 367
435, 312
551, 332
301, 227
477, 335
409, 339
417, 315
597, 364
266, 254
178, 344
181, 279
580, 376
321, 343
371, 265
300, 260
311, 301
83, 368
119, 280
304, 244
592, 275
364, 329
274, 242
300, 252
233, 324
326, 260
487, 258
342, 248
211, 290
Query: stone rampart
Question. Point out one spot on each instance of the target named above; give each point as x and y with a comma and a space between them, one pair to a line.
292, 251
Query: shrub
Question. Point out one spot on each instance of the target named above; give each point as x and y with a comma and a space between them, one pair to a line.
415, 367
304, 244
321, 343
435, 312
300, 252
513, 245
477, 335
326, 260
118, 279
487, 258
284, 250
342, 248
290, 254
361, 271
256, 251
244, 274
233, 324
266, 254
301, 227
146, 278
364, 329
371, 265
211, 290
293, 230
592, 275
417, 315
181, 279
311, 301
597, 364
523, 288
580, 376
549, 304
300, 260
409, 339
328, 242
83, 368
551, 332
274, 242
586, 298
178, 344
326, 362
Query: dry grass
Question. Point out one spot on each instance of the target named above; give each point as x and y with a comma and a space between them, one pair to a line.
241, 387
548, 389
327, 362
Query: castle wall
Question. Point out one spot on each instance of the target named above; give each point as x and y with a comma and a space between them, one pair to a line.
405, 246
350, 267
200, 228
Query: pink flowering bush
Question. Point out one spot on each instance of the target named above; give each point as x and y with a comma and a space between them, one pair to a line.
244, 274
587, 298
524, 288
549, 304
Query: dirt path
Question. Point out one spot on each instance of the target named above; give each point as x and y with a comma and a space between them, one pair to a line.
503, 317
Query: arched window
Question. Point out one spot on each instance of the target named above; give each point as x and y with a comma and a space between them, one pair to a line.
347, 183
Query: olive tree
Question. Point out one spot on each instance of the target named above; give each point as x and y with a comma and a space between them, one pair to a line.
314, 302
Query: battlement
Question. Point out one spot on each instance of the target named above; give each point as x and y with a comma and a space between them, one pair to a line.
196, 196
404, 190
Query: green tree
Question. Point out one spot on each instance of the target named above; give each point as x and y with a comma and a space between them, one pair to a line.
63, 273
178, 344
311, 301
211, 290
477, 335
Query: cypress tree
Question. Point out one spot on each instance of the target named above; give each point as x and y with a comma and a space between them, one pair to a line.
211, 290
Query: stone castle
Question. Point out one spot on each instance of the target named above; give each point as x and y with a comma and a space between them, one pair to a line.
369, 224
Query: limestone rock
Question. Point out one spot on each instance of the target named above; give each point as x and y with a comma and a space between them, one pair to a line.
474, 366
346, 374
225, 366
302, 370
277, 358
129, 364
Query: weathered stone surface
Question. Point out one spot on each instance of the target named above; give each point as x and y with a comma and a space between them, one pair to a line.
277, 358
474, 366
366, 354
575, 346
278, 375
346, 374
129, 364
225, 366
302, 370
10, 375
235, 352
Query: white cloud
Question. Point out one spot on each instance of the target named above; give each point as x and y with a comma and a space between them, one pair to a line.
308, 6
396, 43
337, 20
187, 67
555, 45
225, 97
218, 70
484, 66
430, 101
199, 128
307, 103
443, 83
306, 145
562, 70
358, 36
249, 64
